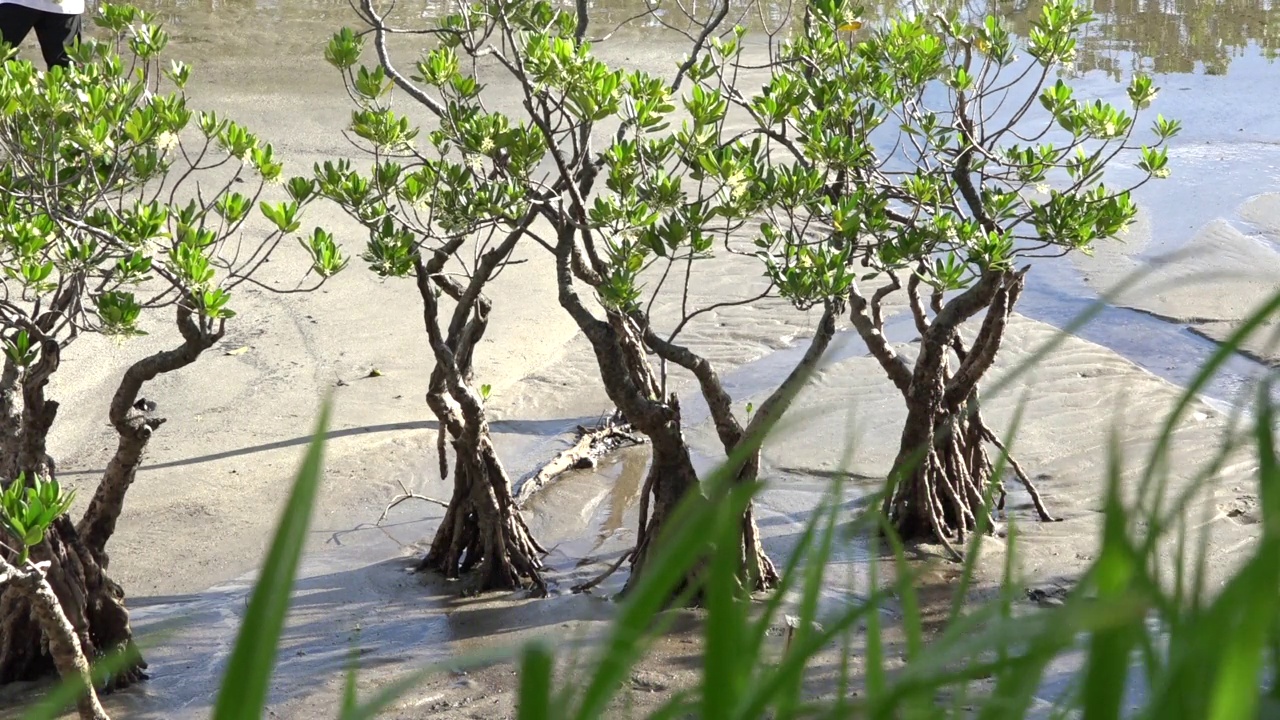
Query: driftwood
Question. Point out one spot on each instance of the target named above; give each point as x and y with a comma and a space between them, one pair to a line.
591, 445
64, 646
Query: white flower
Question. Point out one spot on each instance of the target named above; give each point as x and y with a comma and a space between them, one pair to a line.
1042, 188
166, 141
736, 184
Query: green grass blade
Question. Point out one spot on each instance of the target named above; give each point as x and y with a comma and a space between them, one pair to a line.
1236, 692
243, 694
68, 690
1107, 667
680, 544
726, 623
974, 551
1226, 349
534, 702
875, 630
814, 573
754, 645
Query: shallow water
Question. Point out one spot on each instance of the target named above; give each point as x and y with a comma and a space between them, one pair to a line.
1210, 60
1213, 59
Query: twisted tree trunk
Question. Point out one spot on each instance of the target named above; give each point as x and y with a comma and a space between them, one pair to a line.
634, 390
92, 603
943, 481
757, 571
89, 600
134, 423
482, 528
671, 478
30, 584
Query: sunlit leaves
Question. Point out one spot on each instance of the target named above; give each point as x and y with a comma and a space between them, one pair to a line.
1155, 161
372, 84
344, 49
805, 273
179, 73
706, 106
1077, 220
27, 509
1052, 37
438, 67
1165, 129
20, 349
648, 102
391, 250
326, 258
132, 268
992, 39
88, 235
119, 312
284, 215
1142, 91
233, 207
592, 91
383, 128
188, 260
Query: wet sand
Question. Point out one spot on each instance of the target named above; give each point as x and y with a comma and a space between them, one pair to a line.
206, 500
1211, 284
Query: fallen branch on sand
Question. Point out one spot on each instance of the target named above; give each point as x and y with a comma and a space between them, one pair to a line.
583, 587
405, 494
592, 443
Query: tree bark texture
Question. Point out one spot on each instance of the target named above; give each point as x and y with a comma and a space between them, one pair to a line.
482, 532
621, 344
943, 478
92, 603
757, 572
68, 657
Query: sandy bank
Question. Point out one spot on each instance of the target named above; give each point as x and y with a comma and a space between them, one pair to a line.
1211, 284
350, 595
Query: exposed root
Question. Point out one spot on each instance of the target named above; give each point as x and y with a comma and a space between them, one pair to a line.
1023, 478
945, 497
92, 602
482, 530
404, 495
591, 445
584, 587
758, 571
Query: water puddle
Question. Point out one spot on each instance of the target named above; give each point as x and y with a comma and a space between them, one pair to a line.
355, 593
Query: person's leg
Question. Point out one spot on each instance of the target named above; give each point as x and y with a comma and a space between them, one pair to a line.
55, 33
15, 22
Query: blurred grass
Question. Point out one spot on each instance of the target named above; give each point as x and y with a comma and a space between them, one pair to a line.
1198, 655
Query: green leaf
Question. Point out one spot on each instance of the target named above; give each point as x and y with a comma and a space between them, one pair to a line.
535, 684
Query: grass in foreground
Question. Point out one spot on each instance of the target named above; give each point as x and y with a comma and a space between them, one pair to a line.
1199, 656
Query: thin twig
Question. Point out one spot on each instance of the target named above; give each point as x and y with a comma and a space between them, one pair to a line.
407, 495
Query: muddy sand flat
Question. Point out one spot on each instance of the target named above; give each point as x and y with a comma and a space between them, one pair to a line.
205, 502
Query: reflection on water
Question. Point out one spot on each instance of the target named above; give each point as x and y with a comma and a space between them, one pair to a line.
625, 493
1163, 36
